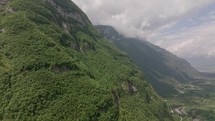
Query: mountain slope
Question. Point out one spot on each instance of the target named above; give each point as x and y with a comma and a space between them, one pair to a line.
54, 66
165, 71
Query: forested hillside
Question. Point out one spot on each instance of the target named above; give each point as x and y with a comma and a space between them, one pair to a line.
54, 66
167, 73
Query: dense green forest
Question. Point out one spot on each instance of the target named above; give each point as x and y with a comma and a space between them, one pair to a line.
173, 78
54, 66
166, 72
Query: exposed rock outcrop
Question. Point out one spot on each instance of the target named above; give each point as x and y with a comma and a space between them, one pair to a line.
66, 14
129, 87
2, 30
3, 3
66, 27
132, 88
9, 10
84, 47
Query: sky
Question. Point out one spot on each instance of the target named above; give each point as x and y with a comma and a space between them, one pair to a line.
184, 27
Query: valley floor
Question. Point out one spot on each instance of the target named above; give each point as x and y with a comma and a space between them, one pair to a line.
196, 102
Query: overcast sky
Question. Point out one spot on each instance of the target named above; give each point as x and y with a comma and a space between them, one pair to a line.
184, 27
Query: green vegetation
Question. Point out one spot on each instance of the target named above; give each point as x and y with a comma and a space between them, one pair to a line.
173, 78
55, 67
165, 71
199, 102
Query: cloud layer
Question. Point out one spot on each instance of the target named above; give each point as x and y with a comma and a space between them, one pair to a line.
138, 17
193, 41
184, 27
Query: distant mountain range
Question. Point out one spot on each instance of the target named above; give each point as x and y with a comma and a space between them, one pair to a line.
165, 71
203, 63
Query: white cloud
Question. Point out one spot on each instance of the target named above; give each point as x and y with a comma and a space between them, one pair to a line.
138, 17
197, 41
184, 27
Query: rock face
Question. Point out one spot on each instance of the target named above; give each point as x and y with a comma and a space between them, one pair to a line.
66, 14
2, 30
132, 88
3, 3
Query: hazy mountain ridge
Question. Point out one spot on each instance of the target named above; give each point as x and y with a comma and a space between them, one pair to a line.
165, 71
203, 64
54, 66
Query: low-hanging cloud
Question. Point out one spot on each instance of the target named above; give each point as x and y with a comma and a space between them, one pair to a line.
191, 42
184, 27
138, 17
